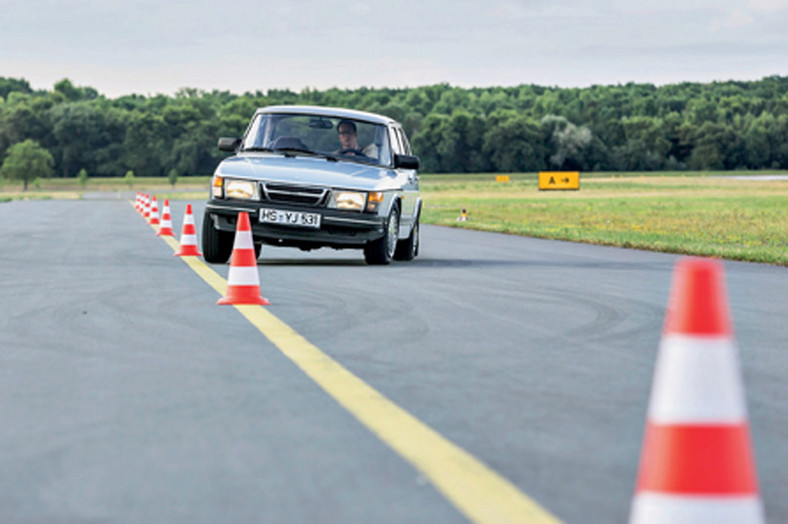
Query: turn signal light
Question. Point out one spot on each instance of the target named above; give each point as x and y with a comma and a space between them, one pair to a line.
217, 187
374, 200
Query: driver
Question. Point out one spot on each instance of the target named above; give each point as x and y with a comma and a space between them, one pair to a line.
348, 140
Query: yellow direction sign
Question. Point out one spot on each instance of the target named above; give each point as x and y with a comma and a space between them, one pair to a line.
502, 178
559, 180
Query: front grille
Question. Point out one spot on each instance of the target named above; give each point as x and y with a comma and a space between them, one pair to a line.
292, 194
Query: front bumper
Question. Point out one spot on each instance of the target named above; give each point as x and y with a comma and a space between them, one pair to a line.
339, 229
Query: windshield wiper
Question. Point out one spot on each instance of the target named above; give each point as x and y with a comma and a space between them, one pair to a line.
333, 157
293, 150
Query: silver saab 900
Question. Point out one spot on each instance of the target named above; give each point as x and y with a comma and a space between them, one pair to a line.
313, 177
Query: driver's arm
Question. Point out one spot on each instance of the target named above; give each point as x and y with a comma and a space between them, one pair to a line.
371, 150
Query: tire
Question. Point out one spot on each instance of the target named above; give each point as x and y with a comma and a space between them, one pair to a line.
380, 252
408, 249
217, 246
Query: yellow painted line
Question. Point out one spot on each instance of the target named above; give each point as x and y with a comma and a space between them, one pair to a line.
476, 490
481, 494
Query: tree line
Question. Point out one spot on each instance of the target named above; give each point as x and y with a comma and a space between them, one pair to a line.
631, 127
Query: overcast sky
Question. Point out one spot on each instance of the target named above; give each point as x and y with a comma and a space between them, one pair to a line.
155, 46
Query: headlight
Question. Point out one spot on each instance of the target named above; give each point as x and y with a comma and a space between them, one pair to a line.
241, 189
348, 200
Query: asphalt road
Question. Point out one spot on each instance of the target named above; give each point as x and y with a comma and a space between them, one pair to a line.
127, 395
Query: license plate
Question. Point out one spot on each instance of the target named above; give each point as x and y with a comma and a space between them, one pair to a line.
290, 218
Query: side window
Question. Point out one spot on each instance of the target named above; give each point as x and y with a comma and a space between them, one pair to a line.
384, 153
396, 144
255, 132
404, 141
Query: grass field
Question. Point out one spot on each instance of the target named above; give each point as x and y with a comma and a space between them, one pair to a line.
70, 188
702, 214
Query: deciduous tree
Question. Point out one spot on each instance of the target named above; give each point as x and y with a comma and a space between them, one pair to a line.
27, 161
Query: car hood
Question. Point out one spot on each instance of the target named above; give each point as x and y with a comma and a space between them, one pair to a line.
308, 170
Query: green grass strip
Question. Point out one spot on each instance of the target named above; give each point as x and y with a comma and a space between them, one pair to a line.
732, 219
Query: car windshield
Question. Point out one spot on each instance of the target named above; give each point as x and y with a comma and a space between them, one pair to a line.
332, 137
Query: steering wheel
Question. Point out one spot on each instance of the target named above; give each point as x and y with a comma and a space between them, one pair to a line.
352, 151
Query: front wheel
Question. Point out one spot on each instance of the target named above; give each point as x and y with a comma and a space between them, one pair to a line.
381, 251
217, 246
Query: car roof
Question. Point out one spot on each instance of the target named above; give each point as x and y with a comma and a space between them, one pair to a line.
329, 112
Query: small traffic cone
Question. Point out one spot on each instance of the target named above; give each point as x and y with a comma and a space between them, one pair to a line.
137, 202
697, 464
188, 236
154, 212
165, 230
243, 282
146, 207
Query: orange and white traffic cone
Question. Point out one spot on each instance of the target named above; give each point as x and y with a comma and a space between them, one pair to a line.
697, 464
243, 282
165, 230
146, 207
188, 236
137, 202
154, 212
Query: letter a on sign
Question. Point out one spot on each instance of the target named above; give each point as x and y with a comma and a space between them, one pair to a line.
559, 180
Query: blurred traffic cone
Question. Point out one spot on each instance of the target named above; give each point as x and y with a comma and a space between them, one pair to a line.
137, 202
146, 207
697, 464
166, 221
188, 236
154, 212
243, 282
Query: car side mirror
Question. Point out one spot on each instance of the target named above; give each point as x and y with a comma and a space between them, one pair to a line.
229, 144
406, 161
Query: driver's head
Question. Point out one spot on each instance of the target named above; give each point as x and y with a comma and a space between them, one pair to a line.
346, 129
